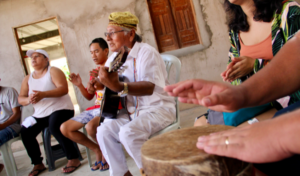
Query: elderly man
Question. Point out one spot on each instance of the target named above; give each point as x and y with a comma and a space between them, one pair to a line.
150, 108
10, 115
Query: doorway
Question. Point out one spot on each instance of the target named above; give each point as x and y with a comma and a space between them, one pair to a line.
45, 35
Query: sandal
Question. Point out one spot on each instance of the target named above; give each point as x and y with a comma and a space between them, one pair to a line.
96, 163
75, 167
38, 171
103, 164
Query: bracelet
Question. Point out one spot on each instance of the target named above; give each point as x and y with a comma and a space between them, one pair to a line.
251, 121
124, 92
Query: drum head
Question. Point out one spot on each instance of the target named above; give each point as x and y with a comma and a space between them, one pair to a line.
175, 153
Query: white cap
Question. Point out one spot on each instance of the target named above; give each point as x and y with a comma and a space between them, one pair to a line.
30, 52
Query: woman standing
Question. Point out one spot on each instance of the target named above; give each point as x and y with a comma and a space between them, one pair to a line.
47, 90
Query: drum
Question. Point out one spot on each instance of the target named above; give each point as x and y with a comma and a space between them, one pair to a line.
175, 153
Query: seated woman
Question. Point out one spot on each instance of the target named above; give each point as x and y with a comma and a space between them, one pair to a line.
256, 34
46, 89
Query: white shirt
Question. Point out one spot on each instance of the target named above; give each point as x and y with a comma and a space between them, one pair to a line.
149, 67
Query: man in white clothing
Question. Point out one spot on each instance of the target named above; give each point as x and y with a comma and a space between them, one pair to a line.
150, 108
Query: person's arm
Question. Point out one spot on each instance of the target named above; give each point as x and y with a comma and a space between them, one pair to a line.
85, 93
111, 80
76, 80
60, 82
218, 96
13, 118
23, 98
267, 141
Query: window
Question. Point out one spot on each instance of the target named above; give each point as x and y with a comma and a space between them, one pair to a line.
173, 23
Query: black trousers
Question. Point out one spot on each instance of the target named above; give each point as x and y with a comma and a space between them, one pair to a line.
52, 121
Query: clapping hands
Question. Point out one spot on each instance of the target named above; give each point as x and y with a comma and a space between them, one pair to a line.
239, 67
36, 96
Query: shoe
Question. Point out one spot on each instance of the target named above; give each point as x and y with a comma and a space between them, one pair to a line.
96, 163
38, 171
103, 164
75, 167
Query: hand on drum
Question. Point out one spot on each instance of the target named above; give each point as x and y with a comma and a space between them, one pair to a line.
256, 143
214, 95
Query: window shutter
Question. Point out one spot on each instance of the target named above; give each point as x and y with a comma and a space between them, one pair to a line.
163, 24
185, 22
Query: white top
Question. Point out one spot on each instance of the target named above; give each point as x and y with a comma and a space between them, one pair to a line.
149, 67
47, 106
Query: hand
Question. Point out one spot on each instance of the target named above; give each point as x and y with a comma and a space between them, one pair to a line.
239, 67
30, 98
75, 79
255, 143
90, 87
37, 96
94, 73
110, 80
224, 74
97, 84
214, 95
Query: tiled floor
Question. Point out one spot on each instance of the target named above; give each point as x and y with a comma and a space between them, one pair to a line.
187, 118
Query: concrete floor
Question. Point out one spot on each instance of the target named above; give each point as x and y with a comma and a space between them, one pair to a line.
23, 162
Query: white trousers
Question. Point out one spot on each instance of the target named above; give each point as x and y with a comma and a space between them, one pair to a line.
111, 134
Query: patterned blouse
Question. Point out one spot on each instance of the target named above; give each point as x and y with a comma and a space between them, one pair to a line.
285, 25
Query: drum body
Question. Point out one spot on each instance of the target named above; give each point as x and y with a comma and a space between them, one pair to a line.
175, 154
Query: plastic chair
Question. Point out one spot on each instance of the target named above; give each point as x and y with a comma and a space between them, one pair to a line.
55, 152
170, 61
8, 157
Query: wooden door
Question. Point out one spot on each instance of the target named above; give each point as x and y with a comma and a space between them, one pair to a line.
185, 22
163, 24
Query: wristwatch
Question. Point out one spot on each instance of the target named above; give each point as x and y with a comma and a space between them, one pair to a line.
124, 92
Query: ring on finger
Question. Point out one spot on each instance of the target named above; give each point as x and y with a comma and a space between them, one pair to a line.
227, 141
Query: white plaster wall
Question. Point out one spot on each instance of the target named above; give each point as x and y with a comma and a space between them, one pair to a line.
81, 21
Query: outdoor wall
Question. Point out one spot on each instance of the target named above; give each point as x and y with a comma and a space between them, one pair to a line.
81, 21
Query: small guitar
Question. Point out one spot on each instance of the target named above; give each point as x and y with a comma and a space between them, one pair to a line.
110, 101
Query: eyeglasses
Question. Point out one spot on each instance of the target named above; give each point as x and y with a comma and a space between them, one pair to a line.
111, 34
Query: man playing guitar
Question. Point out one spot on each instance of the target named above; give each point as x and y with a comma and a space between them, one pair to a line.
150, 109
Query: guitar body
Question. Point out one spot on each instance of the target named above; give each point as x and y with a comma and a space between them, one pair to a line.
111, 100
111, 103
